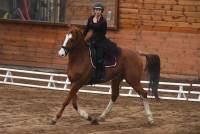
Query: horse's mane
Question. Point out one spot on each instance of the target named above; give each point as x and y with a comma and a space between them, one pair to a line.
77, 31
73, 28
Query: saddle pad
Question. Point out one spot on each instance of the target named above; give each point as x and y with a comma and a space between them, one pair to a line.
109, 61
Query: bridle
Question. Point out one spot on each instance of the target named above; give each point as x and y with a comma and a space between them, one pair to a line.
73, 43
67, 50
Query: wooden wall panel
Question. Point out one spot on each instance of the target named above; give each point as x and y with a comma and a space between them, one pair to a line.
179, 52
168, 28
155, 14
31, 45
79, 10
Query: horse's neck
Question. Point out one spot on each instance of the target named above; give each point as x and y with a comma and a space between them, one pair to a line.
79, 55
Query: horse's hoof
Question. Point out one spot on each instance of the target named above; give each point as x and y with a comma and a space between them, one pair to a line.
94, 121
52, 122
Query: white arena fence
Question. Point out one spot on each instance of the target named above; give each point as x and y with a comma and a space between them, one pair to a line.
167, 90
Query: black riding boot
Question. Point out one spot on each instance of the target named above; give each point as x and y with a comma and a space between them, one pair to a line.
100, 70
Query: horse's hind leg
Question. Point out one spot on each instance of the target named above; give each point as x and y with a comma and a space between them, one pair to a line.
114, 96
82, 112
143, 94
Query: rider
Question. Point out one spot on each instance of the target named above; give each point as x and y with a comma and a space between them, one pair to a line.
98, 26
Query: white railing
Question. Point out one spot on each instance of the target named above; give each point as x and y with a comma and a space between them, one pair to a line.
178, 91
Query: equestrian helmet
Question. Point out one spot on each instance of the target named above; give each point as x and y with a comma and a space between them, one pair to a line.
99, 5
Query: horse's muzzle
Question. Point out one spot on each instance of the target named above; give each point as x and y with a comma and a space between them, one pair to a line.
62, 52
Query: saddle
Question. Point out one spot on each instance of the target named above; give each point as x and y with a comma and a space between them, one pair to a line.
111, 52
109, 61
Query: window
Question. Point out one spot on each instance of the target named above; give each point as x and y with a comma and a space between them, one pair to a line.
33, 10
56, 11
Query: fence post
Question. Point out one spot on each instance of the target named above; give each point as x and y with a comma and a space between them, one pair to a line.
51, 82
8, 77
130, 92
181, 94
189, 92
110, 90
66, 83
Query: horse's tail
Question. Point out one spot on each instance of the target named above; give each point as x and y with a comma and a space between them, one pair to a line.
153, 69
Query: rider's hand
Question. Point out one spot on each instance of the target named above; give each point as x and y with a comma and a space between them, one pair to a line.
88, 35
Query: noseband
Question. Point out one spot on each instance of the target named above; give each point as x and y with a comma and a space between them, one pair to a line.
66, 50
74, 44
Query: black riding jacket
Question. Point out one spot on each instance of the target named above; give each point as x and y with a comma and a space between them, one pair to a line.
99, 29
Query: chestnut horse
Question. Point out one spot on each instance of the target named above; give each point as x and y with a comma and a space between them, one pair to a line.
129, 67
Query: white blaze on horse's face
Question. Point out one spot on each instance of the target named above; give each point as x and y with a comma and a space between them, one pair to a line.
62, 50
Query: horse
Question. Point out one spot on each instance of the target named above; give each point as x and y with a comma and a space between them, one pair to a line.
129, 67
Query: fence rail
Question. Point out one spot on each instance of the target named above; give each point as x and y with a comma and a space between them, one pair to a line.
177, 91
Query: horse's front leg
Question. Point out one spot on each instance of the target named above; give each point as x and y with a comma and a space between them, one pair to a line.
74, 89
